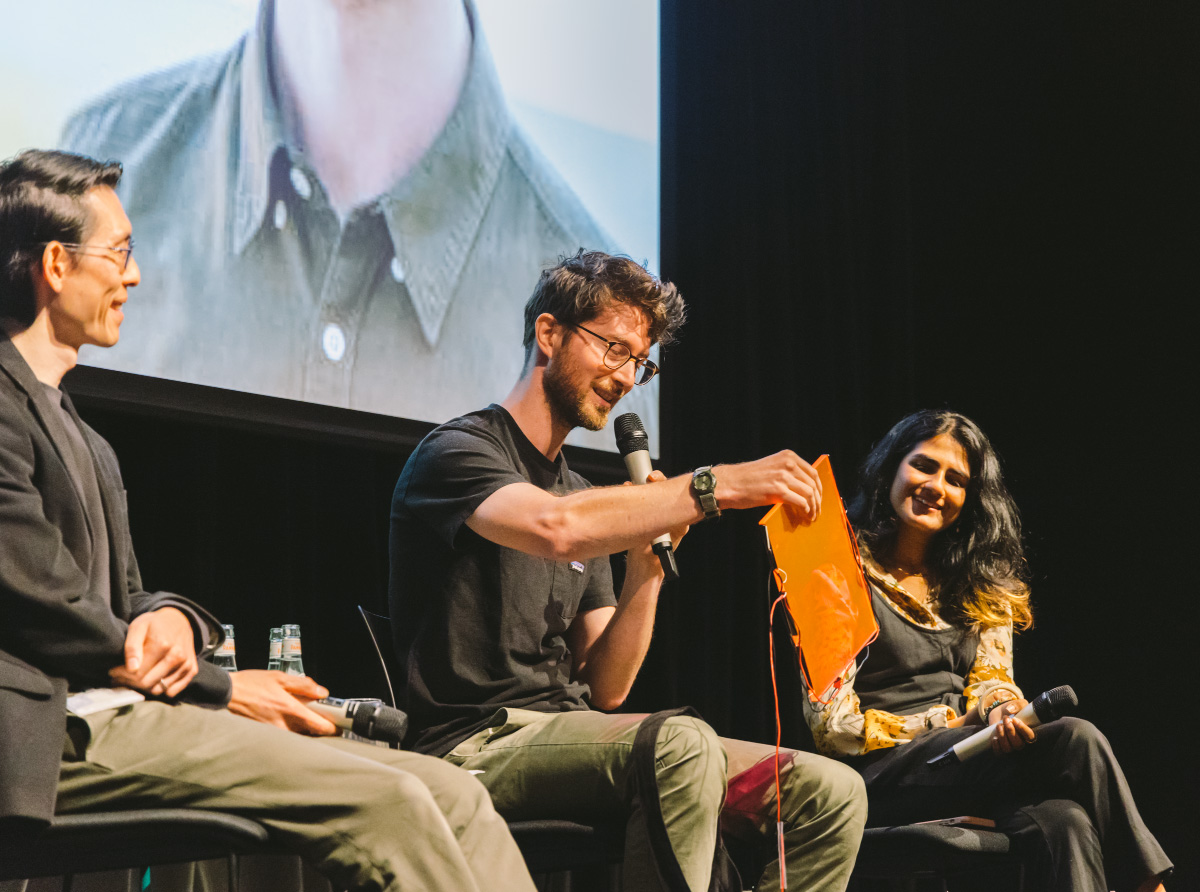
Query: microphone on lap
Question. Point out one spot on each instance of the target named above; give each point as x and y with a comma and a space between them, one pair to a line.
1046, 707
364, 718
634, 446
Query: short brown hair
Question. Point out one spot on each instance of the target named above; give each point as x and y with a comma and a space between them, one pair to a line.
580, 287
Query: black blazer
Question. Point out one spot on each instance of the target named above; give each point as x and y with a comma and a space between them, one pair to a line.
56, 632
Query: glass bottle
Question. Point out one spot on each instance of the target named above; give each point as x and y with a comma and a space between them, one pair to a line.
293, 664
275, 649
226, 655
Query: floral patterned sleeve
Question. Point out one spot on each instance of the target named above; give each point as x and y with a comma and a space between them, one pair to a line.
840, 728
991, 676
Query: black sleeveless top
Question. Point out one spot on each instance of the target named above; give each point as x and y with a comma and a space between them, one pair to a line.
909, 669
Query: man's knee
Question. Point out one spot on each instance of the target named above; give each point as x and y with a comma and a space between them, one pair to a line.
821, 786
458, 794
689, 751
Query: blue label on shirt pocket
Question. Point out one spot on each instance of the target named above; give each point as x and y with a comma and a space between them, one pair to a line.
577, 566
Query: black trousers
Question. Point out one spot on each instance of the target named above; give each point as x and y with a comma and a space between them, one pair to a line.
1063, 798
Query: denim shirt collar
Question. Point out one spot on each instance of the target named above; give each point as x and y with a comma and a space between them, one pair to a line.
433, 214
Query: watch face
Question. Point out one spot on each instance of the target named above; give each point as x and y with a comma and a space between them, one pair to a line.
705, 481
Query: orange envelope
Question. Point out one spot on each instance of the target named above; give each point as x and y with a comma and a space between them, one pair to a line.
820, 571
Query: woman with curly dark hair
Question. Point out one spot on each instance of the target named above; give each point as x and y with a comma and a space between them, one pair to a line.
941, 541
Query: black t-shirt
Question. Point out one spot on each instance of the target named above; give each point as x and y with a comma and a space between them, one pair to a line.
82, 467
479, 626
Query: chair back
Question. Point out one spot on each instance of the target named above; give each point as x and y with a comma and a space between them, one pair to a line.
379, 630
137, 839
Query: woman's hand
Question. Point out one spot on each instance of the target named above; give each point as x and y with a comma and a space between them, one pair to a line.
1011, 733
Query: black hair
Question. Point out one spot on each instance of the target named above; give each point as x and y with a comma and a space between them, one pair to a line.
41, 200
977, 567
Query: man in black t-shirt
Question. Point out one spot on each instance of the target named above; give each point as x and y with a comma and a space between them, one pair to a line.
506, 621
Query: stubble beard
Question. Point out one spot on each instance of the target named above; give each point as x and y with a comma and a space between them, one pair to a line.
569, 405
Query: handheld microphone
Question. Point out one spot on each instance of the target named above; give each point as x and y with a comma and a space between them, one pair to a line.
366, 718
1046, 707
634, 446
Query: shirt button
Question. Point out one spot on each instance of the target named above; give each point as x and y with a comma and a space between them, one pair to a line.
397, 269
280, 214
301, 184
333, 342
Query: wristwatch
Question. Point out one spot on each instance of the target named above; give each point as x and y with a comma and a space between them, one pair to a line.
704, 485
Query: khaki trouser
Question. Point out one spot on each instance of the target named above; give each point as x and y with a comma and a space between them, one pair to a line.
368, 818
575, 765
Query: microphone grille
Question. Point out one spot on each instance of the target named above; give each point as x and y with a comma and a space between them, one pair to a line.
390, 724
627, 424
631, 435
1063, 696
1056, 703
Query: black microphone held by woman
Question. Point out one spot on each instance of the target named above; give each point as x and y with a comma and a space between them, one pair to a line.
1046, 707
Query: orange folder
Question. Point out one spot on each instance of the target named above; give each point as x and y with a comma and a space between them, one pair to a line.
819, 569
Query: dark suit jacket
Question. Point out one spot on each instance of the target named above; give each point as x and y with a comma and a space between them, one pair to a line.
56, 632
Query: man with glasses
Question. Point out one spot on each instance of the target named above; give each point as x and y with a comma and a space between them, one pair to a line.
75, 620
505, 617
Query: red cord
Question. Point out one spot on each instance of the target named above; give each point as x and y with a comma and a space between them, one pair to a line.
780, 581
778, 722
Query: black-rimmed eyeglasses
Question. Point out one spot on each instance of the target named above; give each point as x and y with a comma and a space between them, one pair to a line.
126, 251
618, 354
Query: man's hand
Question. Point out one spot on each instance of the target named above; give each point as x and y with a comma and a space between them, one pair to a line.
1011, 733
276, 698
160, 653
646, 555
780, 478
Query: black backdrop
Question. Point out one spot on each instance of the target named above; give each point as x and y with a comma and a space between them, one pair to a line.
871, 208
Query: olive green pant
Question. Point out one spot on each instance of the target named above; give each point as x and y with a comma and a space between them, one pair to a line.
575, 765
368, 818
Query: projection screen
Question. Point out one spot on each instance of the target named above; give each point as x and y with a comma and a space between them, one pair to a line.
357, 267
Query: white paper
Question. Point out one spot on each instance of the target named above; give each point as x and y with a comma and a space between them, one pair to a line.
100, 699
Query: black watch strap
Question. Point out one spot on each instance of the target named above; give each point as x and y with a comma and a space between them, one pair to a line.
704, 485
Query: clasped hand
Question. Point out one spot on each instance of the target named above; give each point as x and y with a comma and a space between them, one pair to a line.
160, 653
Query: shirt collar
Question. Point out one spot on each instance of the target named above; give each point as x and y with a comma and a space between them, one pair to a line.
260, 132
434, 213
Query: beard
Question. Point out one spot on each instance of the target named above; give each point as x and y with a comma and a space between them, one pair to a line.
568, 403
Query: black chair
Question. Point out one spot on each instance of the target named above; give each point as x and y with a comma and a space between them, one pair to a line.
549, 846
933, 856
119, 840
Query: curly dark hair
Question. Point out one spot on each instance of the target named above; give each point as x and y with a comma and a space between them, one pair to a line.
582, 286
41, 200
977, 567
